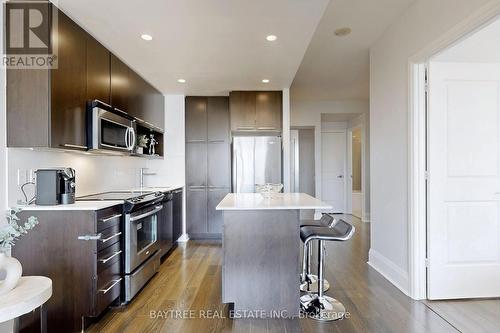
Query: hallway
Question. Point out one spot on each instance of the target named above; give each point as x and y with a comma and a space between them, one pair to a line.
190, 280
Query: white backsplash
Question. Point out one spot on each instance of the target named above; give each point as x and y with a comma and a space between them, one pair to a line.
94, 173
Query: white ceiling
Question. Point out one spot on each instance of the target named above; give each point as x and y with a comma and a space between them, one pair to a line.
482, 47
216, 45
338, 67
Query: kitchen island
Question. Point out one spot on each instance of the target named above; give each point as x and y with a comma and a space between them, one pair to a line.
261, 252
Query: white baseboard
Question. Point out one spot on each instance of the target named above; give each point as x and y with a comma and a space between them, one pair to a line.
389, 270
183, 239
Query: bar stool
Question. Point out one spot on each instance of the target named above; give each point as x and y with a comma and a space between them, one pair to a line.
308, 281
317, 305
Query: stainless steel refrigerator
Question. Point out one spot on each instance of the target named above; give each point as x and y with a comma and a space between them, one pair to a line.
255, 160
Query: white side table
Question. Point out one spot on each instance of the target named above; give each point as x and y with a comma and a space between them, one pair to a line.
30, 293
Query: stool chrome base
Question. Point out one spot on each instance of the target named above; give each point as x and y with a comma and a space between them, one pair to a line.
322, 308
313, 286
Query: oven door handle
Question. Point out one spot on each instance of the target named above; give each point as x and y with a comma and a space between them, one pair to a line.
152, 212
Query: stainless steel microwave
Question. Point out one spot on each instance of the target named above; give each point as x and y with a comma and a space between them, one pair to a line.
109, 129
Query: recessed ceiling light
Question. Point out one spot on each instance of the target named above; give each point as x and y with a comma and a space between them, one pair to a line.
265, 81
181, 80
271, 38
147, 37
341, 32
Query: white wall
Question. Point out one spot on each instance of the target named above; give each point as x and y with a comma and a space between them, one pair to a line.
308, 113
422, 24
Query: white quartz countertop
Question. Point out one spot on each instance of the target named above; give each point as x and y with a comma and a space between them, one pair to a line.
78, 205
279, 201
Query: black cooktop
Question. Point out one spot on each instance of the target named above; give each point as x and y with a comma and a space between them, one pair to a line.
133, 200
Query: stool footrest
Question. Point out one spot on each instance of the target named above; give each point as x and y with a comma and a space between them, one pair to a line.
311, 284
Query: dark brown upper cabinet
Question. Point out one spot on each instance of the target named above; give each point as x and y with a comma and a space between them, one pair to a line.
196, 119
268, 110
98, 71
47, 108
132, 94
218, 119
121, 85
68, 86
242, 108
255, 110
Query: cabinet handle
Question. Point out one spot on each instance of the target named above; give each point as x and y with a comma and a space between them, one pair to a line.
188, 141
111, 257
197, 187
266, 128
69, 145
110, 218
111, 237
115, 282
217, 141
245, 128
90, 237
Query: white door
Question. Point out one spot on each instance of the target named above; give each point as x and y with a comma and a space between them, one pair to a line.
464, 181
333, 158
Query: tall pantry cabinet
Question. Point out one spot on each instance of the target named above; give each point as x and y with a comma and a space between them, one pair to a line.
208, 164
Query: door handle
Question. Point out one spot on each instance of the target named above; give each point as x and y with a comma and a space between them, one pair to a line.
152, 212
340, 176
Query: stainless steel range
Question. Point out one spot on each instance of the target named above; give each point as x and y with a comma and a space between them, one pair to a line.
142, 259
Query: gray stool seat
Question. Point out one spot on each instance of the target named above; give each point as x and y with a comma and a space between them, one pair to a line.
317, 305
340, 232
308, 281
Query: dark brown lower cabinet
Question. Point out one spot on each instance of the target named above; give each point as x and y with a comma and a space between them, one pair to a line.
86, 273
196, 211
165, 227
215, 218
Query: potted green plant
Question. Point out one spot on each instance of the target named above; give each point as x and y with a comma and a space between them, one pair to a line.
8, 236
142, 142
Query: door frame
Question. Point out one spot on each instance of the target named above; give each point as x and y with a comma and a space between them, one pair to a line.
350, 130
417, 138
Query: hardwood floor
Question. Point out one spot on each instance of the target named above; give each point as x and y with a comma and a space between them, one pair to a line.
475, 315
190, 280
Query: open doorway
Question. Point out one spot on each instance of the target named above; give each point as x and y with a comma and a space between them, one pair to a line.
456, 181
356, 174
345, 163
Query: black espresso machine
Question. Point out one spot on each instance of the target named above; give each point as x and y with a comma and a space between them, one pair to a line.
55, 186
